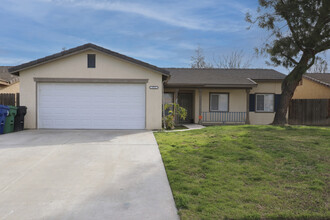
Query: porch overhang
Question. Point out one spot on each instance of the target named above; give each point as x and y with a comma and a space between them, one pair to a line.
210, 86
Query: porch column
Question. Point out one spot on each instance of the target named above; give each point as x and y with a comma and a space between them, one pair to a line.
176, 96
163, 108
176, 101
200, 107
247, 119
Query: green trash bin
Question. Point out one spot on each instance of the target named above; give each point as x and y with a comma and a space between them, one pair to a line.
10, 120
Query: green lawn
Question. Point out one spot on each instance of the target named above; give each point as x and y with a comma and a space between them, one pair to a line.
249, 172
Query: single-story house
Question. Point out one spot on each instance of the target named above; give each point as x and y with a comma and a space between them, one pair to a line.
313, 86
90, 87
8, 82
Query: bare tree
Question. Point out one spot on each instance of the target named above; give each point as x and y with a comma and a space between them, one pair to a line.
235, 60
198, 61
320, 66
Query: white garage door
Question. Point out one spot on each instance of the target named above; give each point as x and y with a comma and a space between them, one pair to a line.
91, 106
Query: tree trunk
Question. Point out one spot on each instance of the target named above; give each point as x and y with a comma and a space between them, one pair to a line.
289, 85
288, 89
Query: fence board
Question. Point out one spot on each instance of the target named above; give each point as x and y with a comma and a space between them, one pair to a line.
309, 112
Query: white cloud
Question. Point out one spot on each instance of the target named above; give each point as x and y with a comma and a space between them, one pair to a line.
178, 14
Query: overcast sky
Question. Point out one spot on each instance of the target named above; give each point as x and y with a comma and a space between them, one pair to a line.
164, 33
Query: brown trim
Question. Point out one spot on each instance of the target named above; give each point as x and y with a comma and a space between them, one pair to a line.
210, 101
256, 111
89, 80
80, 49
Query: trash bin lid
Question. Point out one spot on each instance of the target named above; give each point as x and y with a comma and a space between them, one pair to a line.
12, 107
4, 107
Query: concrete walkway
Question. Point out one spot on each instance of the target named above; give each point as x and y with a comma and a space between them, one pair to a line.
188, 126
54, 174
193, 126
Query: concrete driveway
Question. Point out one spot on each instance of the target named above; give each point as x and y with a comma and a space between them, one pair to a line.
80, 174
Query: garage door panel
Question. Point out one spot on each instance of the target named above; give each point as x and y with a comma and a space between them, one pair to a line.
91, 106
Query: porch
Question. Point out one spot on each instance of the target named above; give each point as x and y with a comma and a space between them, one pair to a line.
209, 106
223, 118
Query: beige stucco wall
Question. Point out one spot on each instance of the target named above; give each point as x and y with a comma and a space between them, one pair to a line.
263, 118
237, 100
311, 90
75, 66
14, 88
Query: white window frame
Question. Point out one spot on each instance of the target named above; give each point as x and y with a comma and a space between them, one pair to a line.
217, 94
263, 94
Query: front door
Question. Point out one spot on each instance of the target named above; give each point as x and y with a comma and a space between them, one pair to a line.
185, 100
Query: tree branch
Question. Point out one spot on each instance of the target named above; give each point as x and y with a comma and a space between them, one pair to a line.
294, 35
323, 47
312, 63
290, 58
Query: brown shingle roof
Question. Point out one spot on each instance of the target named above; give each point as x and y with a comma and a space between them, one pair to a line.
221, 77
82, 48
322, 78
6, 77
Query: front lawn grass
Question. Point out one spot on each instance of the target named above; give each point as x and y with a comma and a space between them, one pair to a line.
249, 172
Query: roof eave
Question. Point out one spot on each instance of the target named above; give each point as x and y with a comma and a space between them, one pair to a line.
4, 83
267, 80
79, 49
212, 85
316, 80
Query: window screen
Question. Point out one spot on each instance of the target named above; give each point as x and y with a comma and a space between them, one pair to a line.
219, 102
91, 60
265, 102
214, 102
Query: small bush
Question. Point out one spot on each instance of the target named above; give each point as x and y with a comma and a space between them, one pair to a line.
174, 111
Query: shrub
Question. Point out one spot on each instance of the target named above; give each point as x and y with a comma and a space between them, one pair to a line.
174, 111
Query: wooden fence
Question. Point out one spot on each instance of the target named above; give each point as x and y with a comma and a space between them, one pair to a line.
9, 99
309, 112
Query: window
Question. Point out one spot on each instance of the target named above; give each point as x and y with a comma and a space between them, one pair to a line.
219, 102
91, 60
265, 102
168, 98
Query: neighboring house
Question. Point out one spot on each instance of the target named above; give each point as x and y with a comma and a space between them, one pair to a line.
313, 86
8, 82
90, 87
